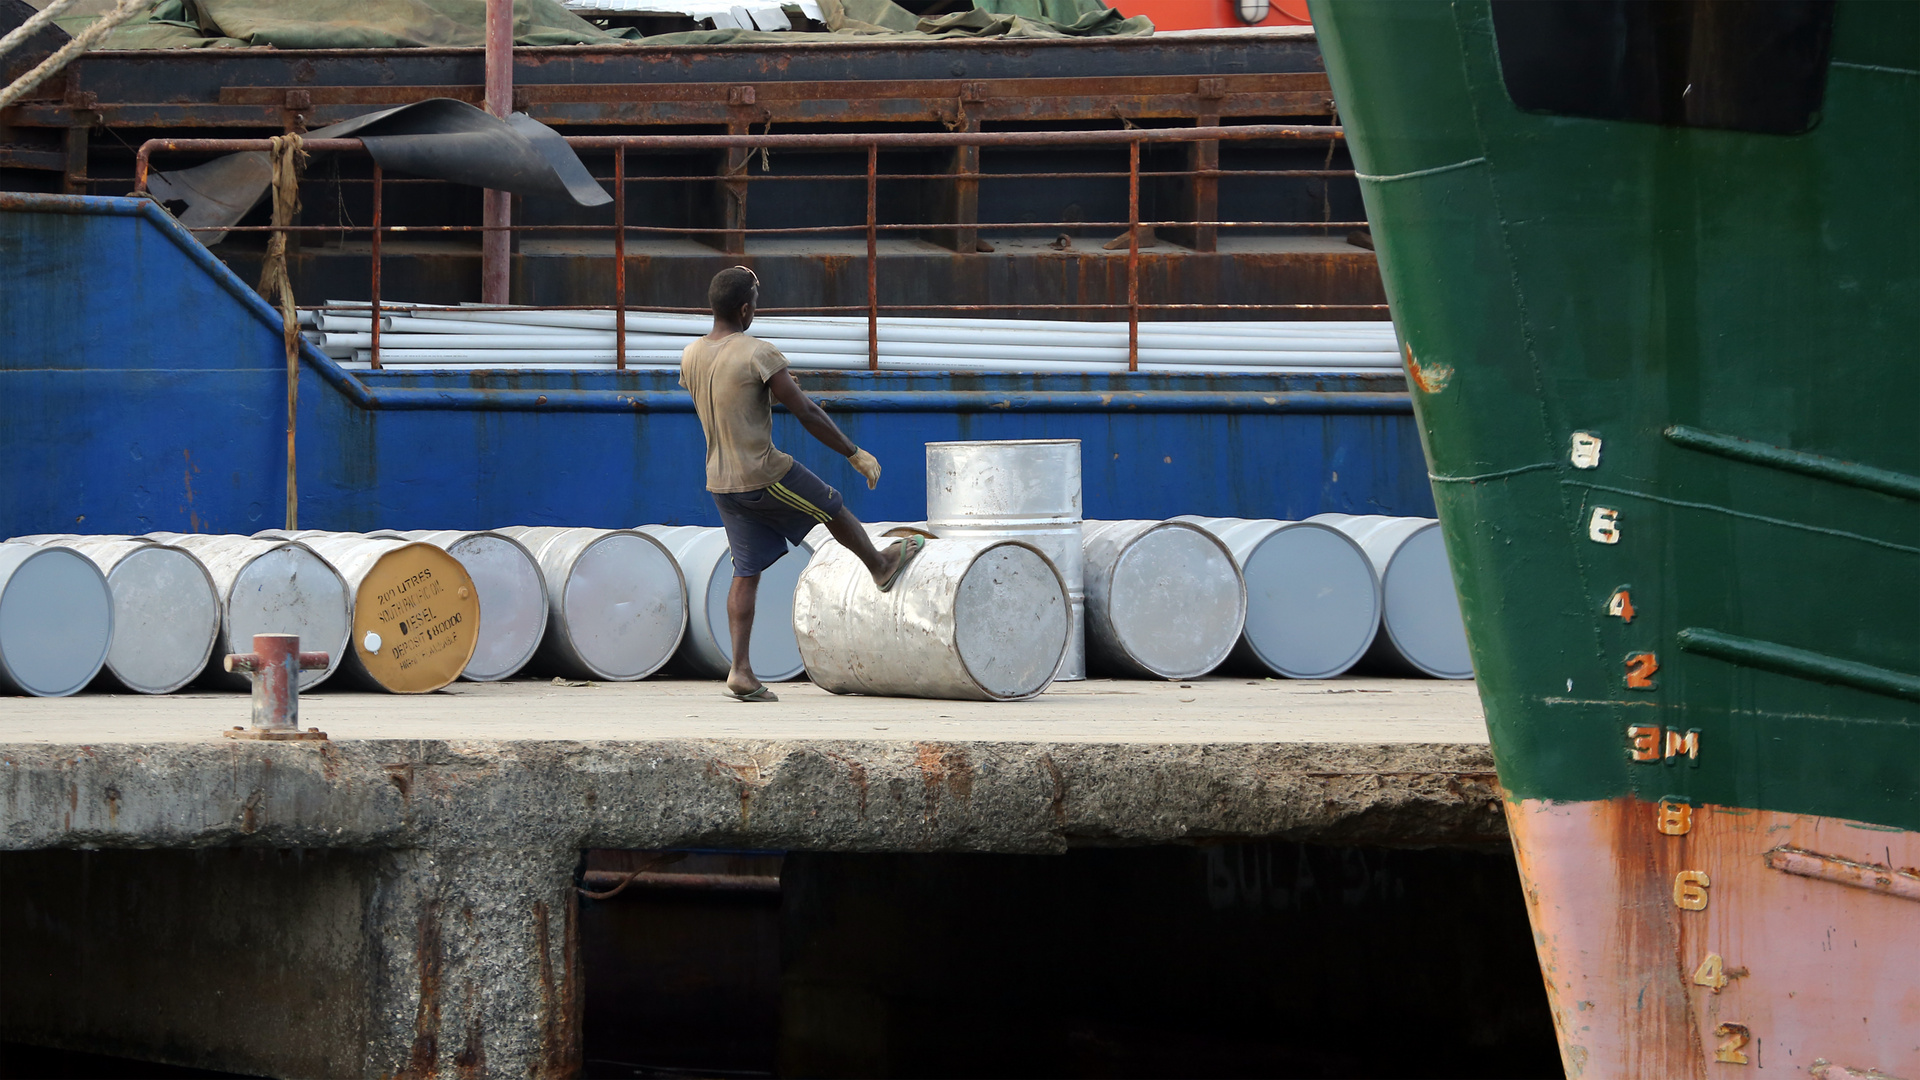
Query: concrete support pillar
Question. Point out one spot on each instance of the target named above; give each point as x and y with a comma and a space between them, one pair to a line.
476, 965
394, 963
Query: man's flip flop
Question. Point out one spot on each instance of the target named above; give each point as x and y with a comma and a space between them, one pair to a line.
909, 546
758, 693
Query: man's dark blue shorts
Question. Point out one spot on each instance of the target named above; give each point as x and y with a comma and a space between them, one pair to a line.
759, 523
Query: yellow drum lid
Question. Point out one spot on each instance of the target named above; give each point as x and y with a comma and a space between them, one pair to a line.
416, 619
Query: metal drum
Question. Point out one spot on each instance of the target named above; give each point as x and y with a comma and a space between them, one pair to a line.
416, 614
616, 603
56, 620
706, 562
1164, 599
1421, 629
982, 620
1313, 600
270, 587
166, 613
1020, 489
513, 597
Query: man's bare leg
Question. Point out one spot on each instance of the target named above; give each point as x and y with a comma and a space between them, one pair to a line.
847, 529
740, 604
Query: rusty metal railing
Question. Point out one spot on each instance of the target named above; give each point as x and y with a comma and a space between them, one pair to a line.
871, 228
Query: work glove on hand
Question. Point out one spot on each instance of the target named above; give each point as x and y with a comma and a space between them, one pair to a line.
866, 465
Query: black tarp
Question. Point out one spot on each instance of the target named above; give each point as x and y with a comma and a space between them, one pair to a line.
439, 138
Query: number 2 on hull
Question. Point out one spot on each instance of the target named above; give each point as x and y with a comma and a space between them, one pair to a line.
1640, 669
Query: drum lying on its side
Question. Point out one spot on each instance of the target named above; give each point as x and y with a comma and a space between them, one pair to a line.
706, 562
270, 587
56, 620
1164, 599
983, 620
513, 597
166, 613
1421, 632
415, 612
1313, 600
616, 603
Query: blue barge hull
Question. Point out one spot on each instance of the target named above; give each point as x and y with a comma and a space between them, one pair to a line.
143, 387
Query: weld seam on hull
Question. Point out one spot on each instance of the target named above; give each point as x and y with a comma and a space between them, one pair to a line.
1878, 69
1418, 173
1801, 663
1901, 884
1885, 481
1500, 475
1762, 518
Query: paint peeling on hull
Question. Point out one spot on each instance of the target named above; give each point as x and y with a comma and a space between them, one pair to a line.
1676, 941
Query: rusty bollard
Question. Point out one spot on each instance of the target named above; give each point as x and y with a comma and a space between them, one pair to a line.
275, 664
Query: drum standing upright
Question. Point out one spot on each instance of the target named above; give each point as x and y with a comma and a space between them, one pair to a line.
1020, 489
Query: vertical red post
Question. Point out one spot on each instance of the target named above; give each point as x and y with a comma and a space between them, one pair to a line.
275, 665
873, 258
1133, 256
379, 193
497, 207
620, 258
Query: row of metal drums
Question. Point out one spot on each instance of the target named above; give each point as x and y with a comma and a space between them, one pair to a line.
395, 611
1298, 599
409, 612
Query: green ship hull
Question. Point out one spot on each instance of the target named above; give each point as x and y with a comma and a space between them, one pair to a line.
1658, 288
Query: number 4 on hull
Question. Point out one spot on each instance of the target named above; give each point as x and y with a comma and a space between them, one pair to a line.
1620, 604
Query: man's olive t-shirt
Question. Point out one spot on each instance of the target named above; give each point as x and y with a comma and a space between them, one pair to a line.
728, 379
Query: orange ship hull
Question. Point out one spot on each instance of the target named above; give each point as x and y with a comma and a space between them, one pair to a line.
1691, 941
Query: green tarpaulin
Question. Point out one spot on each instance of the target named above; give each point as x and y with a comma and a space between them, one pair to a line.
391, 24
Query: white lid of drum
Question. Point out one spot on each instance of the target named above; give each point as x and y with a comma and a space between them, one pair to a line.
1175, 601
625, 606
776, 652
1010, 621
56, 622
1312, 604
513, 604
1423, 612
166, 616
292, 590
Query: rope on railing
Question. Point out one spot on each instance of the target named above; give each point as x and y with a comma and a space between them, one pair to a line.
288, 157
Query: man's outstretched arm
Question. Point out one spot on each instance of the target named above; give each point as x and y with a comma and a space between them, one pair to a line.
820, 425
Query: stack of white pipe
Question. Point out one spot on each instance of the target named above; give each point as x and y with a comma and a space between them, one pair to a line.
482, 338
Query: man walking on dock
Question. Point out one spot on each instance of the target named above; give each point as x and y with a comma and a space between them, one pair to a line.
766, 498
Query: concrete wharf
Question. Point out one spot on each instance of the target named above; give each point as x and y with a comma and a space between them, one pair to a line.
401, 899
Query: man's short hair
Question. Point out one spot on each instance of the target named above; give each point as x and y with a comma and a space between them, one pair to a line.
731, 290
